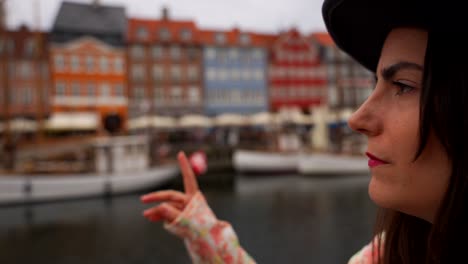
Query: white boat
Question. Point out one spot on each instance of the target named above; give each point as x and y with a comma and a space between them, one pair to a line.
325, 164
38, 188
265, 162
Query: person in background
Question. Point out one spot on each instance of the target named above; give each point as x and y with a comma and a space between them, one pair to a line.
416, 124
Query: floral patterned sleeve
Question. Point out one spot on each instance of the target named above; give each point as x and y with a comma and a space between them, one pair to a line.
366, 255
207, 239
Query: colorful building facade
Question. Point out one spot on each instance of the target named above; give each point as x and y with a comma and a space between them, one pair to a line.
297, 78
164, 67
24, 74
88, 63
235, 66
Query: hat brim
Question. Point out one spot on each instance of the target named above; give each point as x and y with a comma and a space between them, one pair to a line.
360, 27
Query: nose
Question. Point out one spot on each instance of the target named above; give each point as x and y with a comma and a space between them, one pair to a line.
367, 120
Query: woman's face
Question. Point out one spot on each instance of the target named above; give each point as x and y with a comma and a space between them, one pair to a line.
390, 120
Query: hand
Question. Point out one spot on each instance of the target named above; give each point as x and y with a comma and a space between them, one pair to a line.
172, 203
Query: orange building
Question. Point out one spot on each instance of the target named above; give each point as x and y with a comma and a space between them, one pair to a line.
89, 76
87, 56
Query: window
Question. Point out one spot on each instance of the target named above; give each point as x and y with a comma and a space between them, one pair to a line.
45, 70
175, 52
193, 95
233, 54
210, 53
28, 95
258, 75
158, 72
59, 62
138, 72
164, 34
118, 65
186, 34
223, 74
137, 52
104, 64
91, 89
2, 45
220, 38
257, 54
192, 53
139, 92
10, 46
157, 52
176, 94
158, 94
105, 90
89, 64
75, 63
235, 74
192, 73
25, 69
119, 89
244, 39
210, 74
60, 88
75, 89
29, 47
142, 33
245, 74
176, 73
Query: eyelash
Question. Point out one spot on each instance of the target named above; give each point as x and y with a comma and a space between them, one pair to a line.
402, 88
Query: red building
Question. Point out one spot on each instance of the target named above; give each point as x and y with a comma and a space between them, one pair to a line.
164, 66
24, 74
297, 79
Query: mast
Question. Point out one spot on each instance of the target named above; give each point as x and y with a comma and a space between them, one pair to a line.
9, 147
38, 56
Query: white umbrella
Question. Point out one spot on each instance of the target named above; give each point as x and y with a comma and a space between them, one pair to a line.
195, 121
263, 118
162, 122
230, 120
139, 123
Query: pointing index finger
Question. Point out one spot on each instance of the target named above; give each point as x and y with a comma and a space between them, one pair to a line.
190, 183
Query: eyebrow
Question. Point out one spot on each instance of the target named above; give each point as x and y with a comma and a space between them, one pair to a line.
388, 72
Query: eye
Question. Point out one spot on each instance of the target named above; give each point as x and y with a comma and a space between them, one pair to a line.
402, 87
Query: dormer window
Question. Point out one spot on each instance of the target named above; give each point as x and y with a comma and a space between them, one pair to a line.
186, 34
142, 33
220, 38
164, 34
244, 39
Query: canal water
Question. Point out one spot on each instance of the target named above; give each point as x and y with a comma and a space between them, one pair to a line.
280, 219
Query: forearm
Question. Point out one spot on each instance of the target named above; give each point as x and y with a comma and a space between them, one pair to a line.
208, 240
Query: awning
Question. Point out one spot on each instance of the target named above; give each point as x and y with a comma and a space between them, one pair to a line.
151, 122
20, 125
195, 121
230, 120
263, 118
73, 121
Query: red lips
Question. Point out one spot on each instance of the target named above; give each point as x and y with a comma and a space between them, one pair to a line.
374, 161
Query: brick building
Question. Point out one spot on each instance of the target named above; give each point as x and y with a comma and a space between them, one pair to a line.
24, 74
164, 67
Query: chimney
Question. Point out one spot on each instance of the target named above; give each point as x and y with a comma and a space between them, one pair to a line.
2, 15
165, 13
96, 3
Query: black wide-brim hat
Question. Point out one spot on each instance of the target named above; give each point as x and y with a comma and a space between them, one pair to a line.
360, 27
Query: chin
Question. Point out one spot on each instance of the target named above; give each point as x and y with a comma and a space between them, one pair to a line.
382, 195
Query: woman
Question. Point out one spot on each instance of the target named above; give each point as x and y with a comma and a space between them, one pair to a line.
415, 125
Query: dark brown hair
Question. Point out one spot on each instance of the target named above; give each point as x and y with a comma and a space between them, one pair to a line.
444, 111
